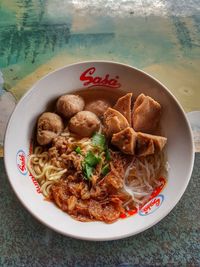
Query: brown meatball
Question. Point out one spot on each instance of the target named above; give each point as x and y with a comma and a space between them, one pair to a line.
84, 123
98, 107
49, 125
69, 105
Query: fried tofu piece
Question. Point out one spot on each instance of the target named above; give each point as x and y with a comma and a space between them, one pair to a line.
147, 144
114, 122
136, 143
125, 140
123, 105
146, 114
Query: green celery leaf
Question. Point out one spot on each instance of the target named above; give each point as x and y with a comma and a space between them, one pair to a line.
107, 154
91, 159
105, 170
99, 140
78, 150
87, 171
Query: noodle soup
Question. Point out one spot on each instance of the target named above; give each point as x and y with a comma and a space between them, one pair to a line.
99, 187
97, 154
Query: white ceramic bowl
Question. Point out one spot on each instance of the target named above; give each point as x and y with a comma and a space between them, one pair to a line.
175, 127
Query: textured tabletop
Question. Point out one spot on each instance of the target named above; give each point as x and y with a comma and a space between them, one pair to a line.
175, 241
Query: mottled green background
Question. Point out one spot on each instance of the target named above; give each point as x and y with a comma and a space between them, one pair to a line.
38, 36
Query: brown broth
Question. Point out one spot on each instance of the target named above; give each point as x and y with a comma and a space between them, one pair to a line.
99, 93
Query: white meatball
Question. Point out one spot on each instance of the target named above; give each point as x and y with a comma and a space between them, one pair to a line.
49, 125
84, 123
98, 107
69, 105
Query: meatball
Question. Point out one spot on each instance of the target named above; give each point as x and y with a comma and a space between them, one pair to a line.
98, 107
69, 105
84, 123
49, 125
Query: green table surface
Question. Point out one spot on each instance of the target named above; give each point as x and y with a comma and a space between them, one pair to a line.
175, 241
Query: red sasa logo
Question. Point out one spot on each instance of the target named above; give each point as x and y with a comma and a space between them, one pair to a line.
21, 161
90, 80
152, 205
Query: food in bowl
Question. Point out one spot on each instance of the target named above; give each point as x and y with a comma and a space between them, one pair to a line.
107, 81
87, 153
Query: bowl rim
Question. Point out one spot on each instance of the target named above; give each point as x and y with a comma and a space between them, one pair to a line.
116, 237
